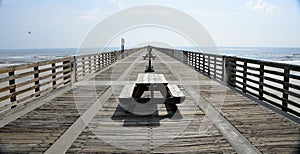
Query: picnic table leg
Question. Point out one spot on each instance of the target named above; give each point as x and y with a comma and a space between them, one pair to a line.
151, 91
171, 109
138, 91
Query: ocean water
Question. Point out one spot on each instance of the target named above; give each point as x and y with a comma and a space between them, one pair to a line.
21, 56
282, 55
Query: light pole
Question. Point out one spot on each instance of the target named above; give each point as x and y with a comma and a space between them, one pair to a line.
122, 47
149, 68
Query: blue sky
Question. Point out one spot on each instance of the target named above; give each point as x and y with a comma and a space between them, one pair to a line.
65, 23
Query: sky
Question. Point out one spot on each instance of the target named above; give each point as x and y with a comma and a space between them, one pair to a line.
66, 23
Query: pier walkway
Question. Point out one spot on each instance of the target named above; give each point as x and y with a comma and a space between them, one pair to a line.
85, 117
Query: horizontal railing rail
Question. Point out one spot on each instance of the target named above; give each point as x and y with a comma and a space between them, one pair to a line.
22, 83
208, 64
87, 64
274, 83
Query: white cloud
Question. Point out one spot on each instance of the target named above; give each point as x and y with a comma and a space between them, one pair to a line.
91, 15
262, 6
118, 3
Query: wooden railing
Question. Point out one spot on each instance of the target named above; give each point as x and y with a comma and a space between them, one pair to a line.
22, 83
87, 64
275, 83
208, 64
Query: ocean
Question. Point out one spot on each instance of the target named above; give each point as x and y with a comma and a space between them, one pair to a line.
21, 56
282, 55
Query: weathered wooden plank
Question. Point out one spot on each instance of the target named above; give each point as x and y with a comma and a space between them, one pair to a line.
175, 91
163, 79
151, 78
265, 129
140, 78
127, 91
157, 78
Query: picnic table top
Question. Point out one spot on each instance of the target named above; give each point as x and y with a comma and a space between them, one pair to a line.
147, 78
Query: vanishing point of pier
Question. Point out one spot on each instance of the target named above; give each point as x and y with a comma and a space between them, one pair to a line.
71, 105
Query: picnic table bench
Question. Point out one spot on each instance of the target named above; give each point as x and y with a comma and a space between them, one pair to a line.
132, 93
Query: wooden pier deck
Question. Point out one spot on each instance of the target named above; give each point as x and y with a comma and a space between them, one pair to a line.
85, 117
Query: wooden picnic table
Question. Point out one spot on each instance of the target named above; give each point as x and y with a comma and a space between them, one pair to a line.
151, 82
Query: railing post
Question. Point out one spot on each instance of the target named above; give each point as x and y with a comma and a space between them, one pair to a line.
185, 57
203, 63
65, 78
194, 60
53, 76
95, 63
223, 68
208, 66
286, 81
115, 56
189, 58
122, 47
215, 67
197, 62
245, 76
37, 82
105, 57
110, 58
230, 71
99, 61
90, 64
261, 81
103, 60
74, 69
83, 66
12, 81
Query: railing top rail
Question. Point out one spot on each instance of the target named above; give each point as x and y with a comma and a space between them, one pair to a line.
94, 54
263, 62
105, 52
209, 54
267, 63
30, 65
46, 62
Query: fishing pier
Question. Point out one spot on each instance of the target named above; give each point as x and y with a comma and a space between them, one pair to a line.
219, 104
